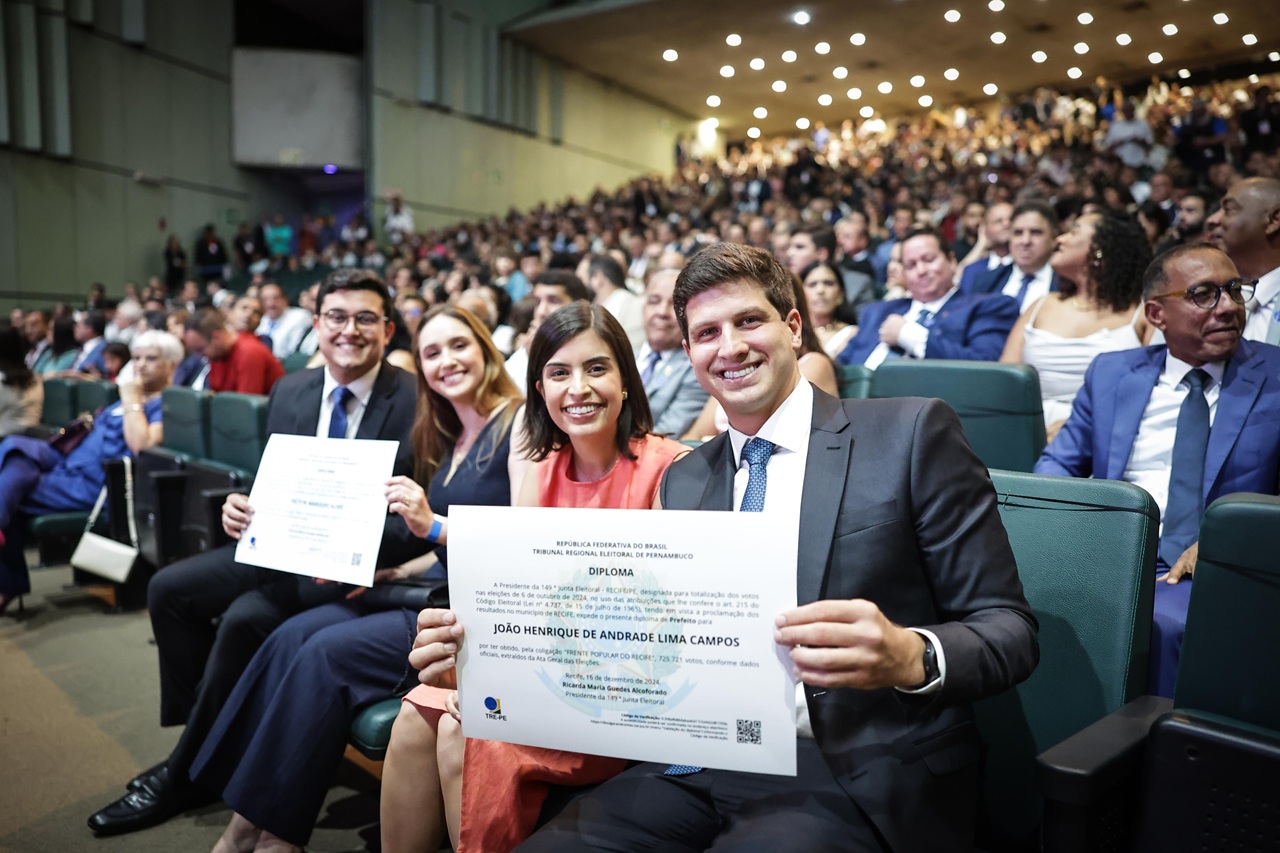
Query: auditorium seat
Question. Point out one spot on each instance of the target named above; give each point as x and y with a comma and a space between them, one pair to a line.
160, 477
59, 402
855, 381
93, 394
294, 362
998, 404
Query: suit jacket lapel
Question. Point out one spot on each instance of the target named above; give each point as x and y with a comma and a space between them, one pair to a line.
309, 413
375, 414
718, 492
825, 478
1133, 391
1240, 388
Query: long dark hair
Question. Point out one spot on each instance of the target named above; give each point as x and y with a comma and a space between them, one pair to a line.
1118, 256
64, 335
565, 324
13, 350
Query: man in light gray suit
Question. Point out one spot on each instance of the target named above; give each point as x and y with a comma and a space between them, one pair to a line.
675, 397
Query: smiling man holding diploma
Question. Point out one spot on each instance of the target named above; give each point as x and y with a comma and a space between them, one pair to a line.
910, 604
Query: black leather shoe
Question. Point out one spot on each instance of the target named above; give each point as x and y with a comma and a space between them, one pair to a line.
155, 801
136, 782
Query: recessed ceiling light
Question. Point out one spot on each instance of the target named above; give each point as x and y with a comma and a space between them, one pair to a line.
866, 112
1220, 18
990, 88
1249, 39
951, 15
756, 64
1039, 56
712, 122
1170, 29
760, 112
854, 94
822, 47
1123, 39
917, 81
1081, 48
1074, 73
825, 100
926, 100
733, 39
802, 122
670, 55
779, 85
885, 88
951, 74
726, 70
996, 5
857, 39
997, 37
1253, 78
1274, 56
801, 17
1155, 58
1184, 73
753, 132
1085, 18
713, 100
788, 56
839, 72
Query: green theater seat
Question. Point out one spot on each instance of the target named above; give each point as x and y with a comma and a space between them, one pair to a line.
186, 421
371, 729
237, 430
93, 394
855, 381
59, 402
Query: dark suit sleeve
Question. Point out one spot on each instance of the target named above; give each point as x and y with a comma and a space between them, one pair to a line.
861, 345
1070, 454
989, 323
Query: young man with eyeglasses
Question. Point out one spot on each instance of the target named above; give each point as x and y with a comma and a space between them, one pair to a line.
1188, 420
356, 394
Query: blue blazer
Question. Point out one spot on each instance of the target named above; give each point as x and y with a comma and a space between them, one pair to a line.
1244, 444
992, 281
968, 327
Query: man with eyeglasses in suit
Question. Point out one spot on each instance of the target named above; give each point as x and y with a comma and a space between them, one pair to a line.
1189, 420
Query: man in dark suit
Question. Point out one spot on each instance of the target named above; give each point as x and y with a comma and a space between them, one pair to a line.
910, 607
356, 395
1032, 234
675, 397
1189, 421
937, 321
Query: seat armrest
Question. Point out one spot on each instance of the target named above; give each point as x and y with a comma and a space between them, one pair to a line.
213, 499
1095, 760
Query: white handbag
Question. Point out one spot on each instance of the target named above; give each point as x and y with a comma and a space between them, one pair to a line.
103, 555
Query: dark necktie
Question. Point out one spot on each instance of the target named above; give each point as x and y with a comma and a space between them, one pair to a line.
926, 318
650, 366
1027, 279
756, 452
338, 420
1186, 479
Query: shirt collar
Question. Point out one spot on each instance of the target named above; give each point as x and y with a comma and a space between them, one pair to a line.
362, 388
1267, 290
935, 305
788, 427
1045, 273
995, 262
1175, 369
89, 345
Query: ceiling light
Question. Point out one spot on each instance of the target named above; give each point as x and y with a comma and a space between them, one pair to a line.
670, 55
733, 39
726, 70
1039, 56
822, 47
753, 132
1085, 18
885, 88
712, 122
756, 64
1081, 48
1123, 39
713, 100
990, 88
1249, 39
926, 100
1170, 29
1220, 18
825, 100
788, 56
866, 112
1274, 56
801, 17
997, 37
1253, 78
1074, 73
951, 15
1155, 58
857, 39
996, 5
1184, 73
951, 74
840, 72
854, 94
760, 112
917, 81
779, 86
802, 122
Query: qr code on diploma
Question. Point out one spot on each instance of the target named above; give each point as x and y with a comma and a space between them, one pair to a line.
355, 560
749, 731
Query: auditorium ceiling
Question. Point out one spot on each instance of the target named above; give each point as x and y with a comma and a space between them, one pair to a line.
738, 60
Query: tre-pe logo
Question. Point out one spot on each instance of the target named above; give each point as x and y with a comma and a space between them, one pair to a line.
493, 708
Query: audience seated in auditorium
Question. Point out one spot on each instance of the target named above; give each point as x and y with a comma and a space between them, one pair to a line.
1032, 231
551, 290
1247, 228
357, 395
1097, 308
21, 388
818, 243
607, 280
35, 329
675, 397
604, 457
989, 260
824, 299
1189, 421
238, 361
89, 330
285, 326
37, 479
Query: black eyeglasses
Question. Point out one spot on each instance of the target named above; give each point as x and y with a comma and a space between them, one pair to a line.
1206, 296
336, 320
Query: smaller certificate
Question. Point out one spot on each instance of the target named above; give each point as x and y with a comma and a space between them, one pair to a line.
319, 507
626, 633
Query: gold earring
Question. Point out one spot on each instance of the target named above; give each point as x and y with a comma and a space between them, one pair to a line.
624, 395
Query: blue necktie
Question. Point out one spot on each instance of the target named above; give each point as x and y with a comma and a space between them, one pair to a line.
1027, 279
1186, 479
650, 366
756, 452
338, 420
926, 318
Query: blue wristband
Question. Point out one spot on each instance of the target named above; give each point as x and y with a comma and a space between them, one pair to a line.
433, 535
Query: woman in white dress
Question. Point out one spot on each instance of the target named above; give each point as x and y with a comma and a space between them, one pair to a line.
1098, 309
824, 296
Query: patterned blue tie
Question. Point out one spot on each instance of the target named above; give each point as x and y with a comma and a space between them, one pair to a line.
1186, 479
756, 452
650, 366
338, 420
1027, 280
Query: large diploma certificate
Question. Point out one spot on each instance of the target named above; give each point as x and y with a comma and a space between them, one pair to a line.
627, 633
319, 506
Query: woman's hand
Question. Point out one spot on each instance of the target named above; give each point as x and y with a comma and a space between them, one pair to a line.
406, 499
130, 392
435, 649
451, 705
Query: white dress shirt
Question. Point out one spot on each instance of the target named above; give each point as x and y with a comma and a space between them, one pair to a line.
1036, 290
913, 337
518, 367
286, 331
362, 388
1262, 308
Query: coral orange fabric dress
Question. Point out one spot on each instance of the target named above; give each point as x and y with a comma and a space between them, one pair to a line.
504, 785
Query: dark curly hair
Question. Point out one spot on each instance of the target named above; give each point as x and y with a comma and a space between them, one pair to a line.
1118, 255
